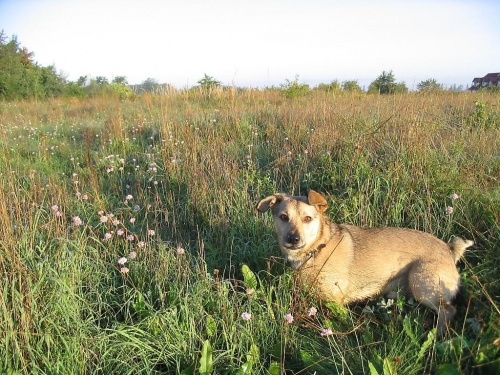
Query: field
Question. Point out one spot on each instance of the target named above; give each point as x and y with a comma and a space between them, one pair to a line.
129, 242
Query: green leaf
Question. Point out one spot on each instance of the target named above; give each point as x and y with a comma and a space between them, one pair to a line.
254, 354
206, 361
431, 336
307, 359
188, 370
376, 366
141, 307
312, 362
249, 277
274, 369
340, 311
447, 369
409, 332
245, 368
373, 369
211, 326
456, 345
389, 367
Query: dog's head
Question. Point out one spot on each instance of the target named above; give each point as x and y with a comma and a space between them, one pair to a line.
297, 220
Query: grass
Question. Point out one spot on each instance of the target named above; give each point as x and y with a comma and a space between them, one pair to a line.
195, 165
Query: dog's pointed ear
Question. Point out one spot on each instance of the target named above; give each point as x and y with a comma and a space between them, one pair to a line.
266, 203
316, 199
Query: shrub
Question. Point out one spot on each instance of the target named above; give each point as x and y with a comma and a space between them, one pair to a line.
292, 89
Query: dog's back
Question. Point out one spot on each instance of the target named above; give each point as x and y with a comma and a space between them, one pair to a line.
373, 261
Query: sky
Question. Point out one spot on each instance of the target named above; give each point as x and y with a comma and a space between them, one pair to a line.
259, 43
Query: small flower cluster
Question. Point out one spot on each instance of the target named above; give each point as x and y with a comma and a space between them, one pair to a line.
121, 261
449, 209
55, 210
289, 319
113, 162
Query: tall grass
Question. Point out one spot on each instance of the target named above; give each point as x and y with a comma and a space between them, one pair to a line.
170, 181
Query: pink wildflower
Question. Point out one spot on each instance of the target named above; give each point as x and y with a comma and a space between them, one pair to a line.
122, 261
77, 221
312, 311
289, 318
129, 197
326, 332
448, 210
124, 270
103, 219
107, 236
246, 316
132, 255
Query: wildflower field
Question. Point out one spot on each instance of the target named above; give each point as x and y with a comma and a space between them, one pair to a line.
129, 242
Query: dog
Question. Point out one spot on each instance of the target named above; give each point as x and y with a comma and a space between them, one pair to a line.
347, 263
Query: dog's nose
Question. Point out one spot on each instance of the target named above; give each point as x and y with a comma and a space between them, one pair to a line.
293, 238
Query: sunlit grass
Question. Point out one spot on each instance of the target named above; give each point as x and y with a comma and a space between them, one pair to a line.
149, 278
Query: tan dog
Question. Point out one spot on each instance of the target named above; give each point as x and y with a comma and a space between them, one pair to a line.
348, 263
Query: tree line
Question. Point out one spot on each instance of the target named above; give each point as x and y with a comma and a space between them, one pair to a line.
21, 78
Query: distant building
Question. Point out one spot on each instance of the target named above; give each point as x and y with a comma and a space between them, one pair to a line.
490, 79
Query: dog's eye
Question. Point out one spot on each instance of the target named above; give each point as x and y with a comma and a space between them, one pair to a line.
308, 219
284, 217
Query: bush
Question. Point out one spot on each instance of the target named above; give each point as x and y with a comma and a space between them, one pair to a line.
429, 85
351, 86
292, 89
386, 84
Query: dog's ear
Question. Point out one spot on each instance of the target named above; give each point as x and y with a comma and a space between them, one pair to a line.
266, 203
316, 199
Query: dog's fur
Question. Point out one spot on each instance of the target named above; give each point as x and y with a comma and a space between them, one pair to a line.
348, 263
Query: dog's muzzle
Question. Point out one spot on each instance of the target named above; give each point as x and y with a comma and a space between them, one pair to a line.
292, 241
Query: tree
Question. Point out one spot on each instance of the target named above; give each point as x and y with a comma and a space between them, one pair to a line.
120, 80
150, 85
333, 86
429, 85
51, 84
386, 84
13, 68
22, 77
454, 87
351, 86
208, 82
400, 88
82, 81
74, 89
100, 80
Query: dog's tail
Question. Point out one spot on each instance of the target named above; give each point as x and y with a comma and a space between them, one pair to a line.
458, 246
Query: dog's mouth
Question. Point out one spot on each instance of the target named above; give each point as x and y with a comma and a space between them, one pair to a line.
294, 247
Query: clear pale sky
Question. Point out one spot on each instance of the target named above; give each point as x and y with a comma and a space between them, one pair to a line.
260, 42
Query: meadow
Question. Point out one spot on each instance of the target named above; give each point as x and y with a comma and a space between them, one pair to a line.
129, 241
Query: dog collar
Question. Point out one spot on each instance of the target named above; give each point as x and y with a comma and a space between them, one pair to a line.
311, 254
